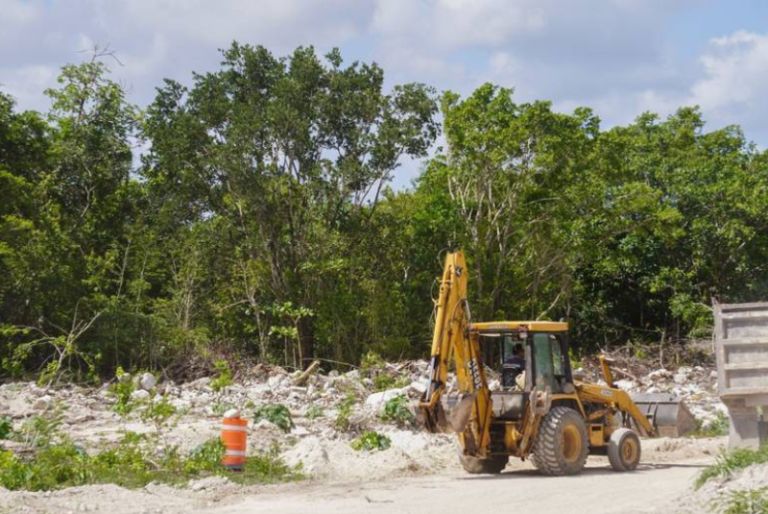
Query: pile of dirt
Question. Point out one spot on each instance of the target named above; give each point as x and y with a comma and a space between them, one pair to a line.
716, 495
410, 454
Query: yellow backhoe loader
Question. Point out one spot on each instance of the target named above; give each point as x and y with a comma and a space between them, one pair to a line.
539, 412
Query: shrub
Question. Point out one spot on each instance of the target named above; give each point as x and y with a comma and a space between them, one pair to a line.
6, 428
371, 441
206, 457
277, 414
314, 412
371, 363
41, 430
224, 377
158, 412
728, 463
13, 473
344, 412
123, 389
718, 427
382, 382
59, 465
219, 408
396, 411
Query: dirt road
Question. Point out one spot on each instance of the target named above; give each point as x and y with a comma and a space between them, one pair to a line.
654, 487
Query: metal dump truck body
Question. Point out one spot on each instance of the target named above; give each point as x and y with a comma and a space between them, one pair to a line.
741, 349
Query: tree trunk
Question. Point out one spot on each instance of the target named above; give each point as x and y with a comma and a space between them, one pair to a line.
307, 340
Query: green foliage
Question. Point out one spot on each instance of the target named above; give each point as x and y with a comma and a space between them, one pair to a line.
158, 412
384, 381
258, 221
314, 412
371, 441
343, 413
43, 429
132, 463
396, 411
206, 457
122, 389
371, 363
220, 408
744, 502
276, 413
13, 473
6, 428
267, 468
224, 376
718, 427
728, 463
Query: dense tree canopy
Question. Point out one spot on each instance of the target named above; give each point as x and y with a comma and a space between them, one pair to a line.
250, 216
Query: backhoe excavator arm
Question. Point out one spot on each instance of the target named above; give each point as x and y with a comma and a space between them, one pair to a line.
470, 416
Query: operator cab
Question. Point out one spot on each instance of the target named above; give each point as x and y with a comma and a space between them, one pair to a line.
544, 364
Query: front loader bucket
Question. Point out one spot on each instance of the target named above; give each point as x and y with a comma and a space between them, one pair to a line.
668, 414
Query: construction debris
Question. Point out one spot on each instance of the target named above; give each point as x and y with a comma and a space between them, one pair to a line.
328, 410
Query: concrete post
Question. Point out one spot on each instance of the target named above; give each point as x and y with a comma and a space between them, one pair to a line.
745, 425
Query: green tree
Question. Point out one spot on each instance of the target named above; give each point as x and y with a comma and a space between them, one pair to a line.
293, 154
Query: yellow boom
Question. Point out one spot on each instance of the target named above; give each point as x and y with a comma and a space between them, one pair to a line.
451, 338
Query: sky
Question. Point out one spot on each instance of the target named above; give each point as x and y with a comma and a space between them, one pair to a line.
619, 57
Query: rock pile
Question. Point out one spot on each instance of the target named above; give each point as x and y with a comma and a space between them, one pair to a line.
88, 418
317, 439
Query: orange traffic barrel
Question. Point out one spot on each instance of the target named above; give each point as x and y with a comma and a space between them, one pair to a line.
234, 433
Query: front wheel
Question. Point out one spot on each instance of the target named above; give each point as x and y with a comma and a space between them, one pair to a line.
475, 466
561, 445
624, 450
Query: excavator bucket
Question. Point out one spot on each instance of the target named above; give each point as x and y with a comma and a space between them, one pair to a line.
454, 413
669, 415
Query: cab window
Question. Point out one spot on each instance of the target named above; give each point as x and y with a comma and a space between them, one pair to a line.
548, 361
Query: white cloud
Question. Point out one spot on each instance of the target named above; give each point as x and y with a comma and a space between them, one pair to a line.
155, 39
737, 73
451, 24
616, 56
26, 84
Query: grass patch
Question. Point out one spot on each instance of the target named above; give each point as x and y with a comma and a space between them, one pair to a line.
745, 502
371, 441
133, 464
314, 412
728, 463
267, 468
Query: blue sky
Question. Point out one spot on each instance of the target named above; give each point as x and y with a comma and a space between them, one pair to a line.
620, 57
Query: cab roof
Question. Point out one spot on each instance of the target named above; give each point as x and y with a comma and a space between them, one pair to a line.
494, 327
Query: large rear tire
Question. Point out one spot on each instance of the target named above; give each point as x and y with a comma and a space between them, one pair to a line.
562, 444
475, 466
624, 450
